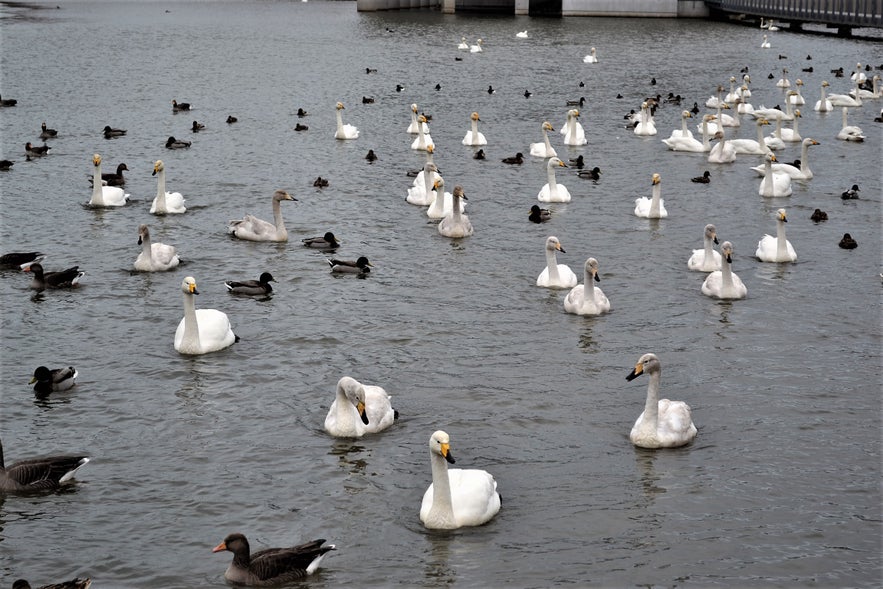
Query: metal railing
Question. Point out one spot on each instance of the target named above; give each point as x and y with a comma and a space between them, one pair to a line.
854, 13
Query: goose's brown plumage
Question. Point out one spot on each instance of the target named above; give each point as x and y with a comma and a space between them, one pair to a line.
72, 584
272, 566
61, 279
38, 474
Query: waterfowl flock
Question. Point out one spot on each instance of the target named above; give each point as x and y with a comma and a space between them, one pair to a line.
467, 497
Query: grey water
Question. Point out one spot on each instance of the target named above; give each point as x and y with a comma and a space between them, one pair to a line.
781, 487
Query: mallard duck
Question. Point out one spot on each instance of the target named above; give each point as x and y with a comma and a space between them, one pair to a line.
110, 132
360, 266
538, 215
56, 380
324, 242
517, 159
172, 143
261, 286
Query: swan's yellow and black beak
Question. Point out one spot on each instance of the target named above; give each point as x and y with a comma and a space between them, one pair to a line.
362, 413
636, 372
192, 287
446, 452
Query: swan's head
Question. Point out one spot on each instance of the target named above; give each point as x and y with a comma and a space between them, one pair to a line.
718, 134
355, 393
771, 157
438, 184
458, 192
414, 108
553, 244
781, 216
591, 269
593, 50
339, 106
810, 141
799, 82
143, 234
656, 179
96, 159
797, 113
158, 166
746, 78
725, 106
474, 116
547, 126
727, 251
430, 149
825, 84
711, 232
708, 118
686, 114
762, 121
647, 363
189, 286
421, 119
440, 443
282, 195
556, 163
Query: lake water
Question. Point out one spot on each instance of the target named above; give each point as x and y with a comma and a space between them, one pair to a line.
781, 488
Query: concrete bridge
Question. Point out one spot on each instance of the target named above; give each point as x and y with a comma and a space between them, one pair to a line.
842, 14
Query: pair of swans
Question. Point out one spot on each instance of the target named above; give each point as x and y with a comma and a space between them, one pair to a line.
416, 125
722, 152
165, 203
778, 138
555, 275
251, 228
795, 97
423, 141
774, 183
707, 259
154, 257
645, 127
685, 141
457, 497
201, 331
551, 190
473, 136
724, 284
421, 192
802, 172
653, 207
105, 196
344, 131
359, 409
456, 224
442, 204
544, 148
586, 298
663, 423
573, 131
778, 248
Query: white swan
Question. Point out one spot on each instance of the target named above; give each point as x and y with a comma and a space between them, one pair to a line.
591, 57
421, 194
776, 249
521, 34
653, 207
165, 203
645, 126
555, 275
104, 196
823, 104
477, 48
768, 25
803, 172
721, 120
463, 44
415, 125
418, 179
772, 114
765, 44
457, 497
774, 140
706, 259
722, 152
858, 75
846, 99
850, 132
154, 257
733, 94
791, 135
716, 100
773, 183
442, 202
201, 330
869, 94
423, 139
663, 423
574, 134
456, 224
753, 146
691, 144
253, 229
683, 131
795, 97
586, 298
358, 409
473, 136
784, 82
544, 148
551, 190
723, 283
344, 131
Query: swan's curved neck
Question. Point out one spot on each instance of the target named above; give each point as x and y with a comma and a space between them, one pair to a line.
552, 265
442, 506
726, 276
705, 142
339, 120
98, 196
760, 139
550, 175
651, 405
778, 132
190, 340
804, 153
455, 209
684, 131
709, 248
588, 288
147, 248
781, 242
546, 141
845, 116
474, 129
654, 200
428, 178
277, 215
161, 191
345, 412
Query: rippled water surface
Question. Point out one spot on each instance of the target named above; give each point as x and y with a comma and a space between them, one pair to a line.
780, 488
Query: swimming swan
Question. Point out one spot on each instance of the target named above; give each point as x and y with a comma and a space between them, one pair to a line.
773, 183
663, 423
473, 136
776, 249
344, 131
555, 275
573, 131
691, 144
358, 409
551, 190
586, 298
802, 172
165, 202
723, 284
253, 229
850, 132
706, 259
154, 257
591, 57
442, 202
415, 125
423, 139
105, 196
457, 497
201, 330
456, 224
653, 207
544, 148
